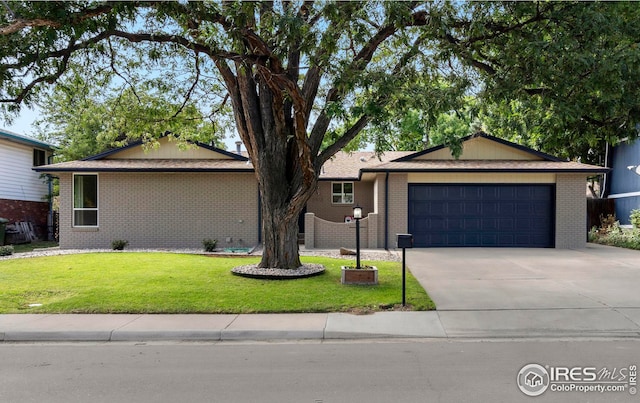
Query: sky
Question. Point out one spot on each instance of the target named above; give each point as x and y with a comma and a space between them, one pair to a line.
23, 124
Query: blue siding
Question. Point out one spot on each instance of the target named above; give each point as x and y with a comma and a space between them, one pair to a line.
624, 207
625, 180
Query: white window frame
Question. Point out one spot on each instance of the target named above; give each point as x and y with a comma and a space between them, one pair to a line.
73, 197
343, 195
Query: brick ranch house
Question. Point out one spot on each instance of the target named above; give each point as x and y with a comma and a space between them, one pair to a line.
24, 195
496, 194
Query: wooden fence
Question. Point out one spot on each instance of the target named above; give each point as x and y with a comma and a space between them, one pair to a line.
597, 208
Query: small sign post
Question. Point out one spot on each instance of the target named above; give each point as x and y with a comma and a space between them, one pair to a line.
404, 241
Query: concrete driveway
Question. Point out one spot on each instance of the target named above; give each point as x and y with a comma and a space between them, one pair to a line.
595, 290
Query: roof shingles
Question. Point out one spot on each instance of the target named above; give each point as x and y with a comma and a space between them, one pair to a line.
343, 166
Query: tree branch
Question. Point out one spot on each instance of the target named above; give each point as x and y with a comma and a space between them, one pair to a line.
358, 64
75, 18
187, 97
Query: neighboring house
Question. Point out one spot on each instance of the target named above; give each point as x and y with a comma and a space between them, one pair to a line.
24, 195
624, 180
496, 194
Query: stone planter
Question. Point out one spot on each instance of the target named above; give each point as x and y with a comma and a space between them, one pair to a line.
368, 275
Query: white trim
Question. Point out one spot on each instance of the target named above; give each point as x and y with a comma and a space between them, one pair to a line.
623, 195
343, 194
73, 201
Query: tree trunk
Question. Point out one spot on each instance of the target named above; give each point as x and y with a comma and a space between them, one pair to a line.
284, 165
280, 240
283, 196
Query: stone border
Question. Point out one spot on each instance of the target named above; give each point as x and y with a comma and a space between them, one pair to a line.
253, 271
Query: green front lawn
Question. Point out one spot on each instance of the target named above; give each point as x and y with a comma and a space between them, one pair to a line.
181, 283
28, 247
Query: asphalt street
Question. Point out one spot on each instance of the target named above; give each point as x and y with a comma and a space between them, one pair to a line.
317, 372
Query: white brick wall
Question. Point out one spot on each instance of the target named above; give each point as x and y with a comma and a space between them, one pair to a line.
333, 235
398, 206
166, 210
571, 211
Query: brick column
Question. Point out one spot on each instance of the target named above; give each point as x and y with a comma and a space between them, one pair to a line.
309, 231
571, 211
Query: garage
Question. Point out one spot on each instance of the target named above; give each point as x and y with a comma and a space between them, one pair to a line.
482, 215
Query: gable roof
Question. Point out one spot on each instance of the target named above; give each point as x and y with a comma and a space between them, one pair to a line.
433, 151
487, 166
139, 143
510, 157
484, 153
22, 139
132, 158
347, 166
149, 165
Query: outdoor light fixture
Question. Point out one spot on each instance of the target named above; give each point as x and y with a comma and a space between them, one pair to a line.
357, 215
634, 168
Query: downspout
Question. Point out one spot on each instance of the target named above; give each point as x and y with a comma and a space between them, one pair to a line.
604, 191
386, 211
259, 218
50, 224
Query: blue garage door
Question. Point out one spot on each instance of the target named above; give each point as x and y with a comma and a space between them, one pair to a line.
482, 215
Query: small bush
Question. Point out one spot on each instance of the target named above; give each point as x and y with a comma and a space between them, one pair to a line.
209, 245
623, 238
635, 218
608, 224
6, 250
119, 244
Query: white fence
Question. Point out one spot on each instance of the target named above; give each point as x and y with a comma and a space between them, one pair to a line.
322, 234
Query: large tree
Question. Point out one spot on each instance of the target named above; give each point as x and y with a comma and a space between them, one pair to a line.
303, 78
82, 120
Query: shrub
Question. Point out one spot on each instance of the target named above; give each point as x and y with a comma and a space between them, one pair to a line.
608, 225
635, 218
209, 245
6, 250
119, 244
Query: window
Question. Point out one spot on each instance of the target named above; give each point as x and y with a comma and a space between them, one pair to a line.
342, 192
39, 158
85, 200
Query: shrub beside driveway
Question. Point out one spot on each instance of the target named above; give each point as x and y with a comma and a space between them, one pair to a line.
611, 233
182, 283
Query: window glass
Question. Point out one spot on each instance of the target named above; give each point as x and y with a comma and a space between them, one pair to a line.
85, 200
342, 193
39, 158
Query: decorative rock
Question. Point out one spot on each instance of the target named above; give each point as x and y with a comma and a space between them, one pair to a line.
347, 252
253, 271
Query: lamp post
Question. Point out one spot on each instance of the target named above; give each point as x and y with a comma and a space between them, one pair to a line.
357, 215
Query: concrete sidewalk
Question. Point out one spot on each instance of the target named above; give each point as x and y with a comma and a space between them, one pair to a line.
322, 326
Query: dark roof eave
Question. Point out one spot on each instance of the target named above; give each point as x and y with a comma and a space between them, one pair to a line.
341, 179
28, 141
140, 142
487, 170
228, 170
540, 154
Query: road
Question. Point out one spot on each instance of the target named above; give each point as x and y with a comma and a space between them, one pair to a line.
315, 372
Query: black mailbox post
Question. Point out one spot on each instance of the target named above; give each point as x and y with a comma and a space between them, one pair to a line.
404, 241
